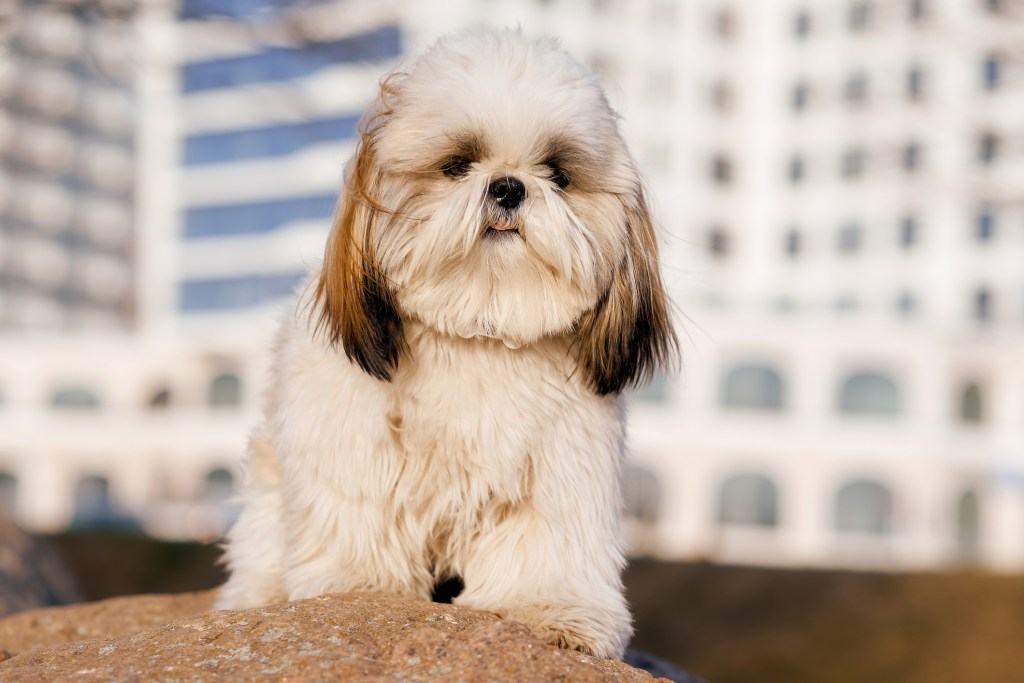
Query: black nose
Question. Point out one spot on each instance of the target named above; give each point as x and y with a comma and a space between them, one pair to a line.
508, 192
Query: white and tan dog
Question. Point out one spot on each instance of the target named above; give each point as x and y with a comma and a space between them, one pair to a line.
445, 401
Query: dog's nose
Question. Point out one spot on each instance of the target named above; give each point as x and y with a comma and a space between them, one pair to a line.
508, 192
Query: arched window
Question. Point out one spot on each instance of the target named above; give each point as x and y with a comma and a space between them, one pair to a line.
8, 492
220, 485
968, 526
971, 404
160, 399
748, 499
641, 493
225, 390
74, 398
93, 506
864, 506
756, 387
869, 393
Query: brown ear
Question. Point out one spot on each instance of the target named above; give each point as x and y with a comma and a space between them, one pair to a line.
353, 302
629, 332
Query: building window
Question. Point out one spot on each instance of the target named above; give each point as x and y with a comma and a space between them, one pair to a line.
74, 398
859, 16
796, 169
725, 24
722, 96
988, 148
991, 73
869, 393
225, 390
850, 239
853, 162
911, 157
721, 170
277, 64
864, 507
641, 494
802, 24
655, 391
753, 387
985, 224
856, 89
793, 243
266, 141
160, 399
968, 526
906, 305
799, 96
909, 232
257, 217
971, 404
219, 485
718, 243
915, 84
237, 292
748, 500
94, 507
233, 9
982, 305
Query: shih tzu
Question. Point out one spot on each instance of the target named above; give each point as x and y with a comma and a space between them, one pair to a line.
444, 400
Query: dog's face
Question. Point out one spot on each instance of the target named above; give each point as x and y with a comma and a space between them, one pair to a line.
492, 196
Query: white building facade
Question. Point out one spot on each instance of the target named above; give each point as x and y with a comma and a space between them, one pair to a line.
840, 187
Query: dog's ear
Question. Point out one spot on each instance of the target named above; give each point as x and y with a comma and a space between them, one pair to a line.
629, 332
353, 303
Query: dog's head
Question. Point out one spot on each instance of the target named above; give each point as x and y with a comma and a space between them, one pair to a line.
491, 195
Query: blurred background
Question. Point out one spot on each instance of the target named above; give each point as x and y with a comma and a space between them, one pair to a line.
840, 188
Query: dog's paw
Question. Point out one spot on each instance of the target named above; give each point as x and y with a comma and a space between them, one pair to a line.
250, 591
598, 630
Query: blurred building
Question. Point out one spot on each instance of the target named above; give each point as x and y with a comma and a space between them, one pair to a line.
840, 187
67, 170
853, 385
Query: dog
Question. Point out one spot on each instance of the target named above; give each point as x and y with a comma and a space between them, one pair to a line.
445, 397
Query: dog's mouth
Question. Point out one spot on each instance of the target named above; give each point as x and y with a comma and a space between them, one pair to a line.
501, 229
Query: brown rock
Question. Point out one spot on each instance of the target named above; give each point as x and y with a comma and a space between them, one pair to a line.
334, 637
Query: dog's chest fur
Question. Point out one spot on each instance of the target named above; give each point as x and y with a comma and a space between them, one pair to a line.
450, 444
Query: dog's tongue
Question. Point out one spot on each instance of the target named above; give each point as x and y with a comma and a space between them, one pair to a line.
503, 225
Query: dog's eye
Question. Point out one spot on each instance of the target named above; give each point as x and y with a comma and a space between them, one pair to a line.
558, 176
456, 167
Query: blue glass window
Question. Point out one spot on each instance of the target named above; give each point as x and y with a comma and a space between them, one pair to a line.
237, 292
985, 224
255, 217
235, 9
274, 64
991, 69
269, 141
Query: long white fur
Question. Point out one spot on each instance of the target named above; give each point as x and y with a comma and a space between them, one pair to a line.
488, 455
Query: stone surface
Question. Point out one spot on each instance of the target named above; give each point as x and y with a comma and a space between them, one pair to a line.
334, 637
31, 572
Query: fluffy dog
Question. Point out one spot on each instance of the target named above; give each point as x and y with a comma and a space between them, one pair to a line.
445, 399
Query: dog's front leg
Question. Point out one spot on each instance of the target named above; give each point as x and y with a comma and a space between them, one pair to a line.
339, 543
555, 561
